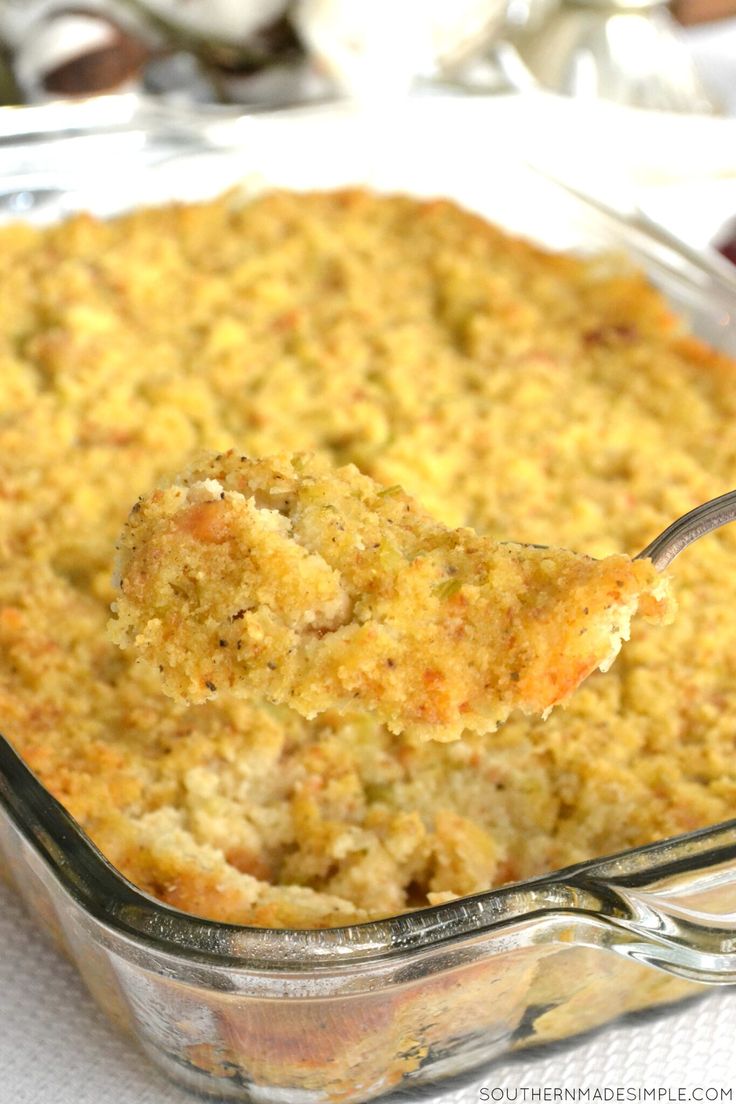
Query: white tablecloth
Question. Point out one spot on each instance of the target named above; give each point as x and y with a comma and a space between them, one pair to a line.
55, 1047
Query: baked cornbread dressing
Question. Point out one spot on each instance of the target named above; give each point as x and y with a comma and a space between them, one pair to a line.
552, 399
283, 579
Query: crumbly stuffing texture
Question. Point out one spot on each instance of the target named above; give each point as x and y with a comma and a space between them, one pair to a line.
285, 580
518, 392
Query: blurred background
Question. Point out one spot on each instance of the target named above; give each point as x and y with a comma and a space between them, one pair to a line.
272, 53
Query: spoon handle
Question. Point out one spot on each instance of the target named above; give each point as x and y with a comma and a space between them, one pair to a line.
696, 523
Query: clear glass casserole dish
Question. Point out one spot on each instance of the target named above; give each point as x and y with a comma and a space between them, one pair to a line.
351, 1013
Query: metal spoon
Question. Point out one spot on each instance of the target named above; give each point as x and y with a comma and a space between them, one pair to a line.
696, 523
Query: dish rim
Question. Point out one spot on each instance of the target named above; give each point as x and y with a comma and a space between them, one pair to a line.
602, 894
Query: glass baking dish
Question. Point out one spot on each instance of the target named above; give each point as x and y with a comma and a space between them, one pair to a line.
347, 1014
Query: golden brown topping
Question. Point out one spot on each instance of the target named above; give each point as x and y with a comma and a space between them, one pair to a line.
433, 351
318, 588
